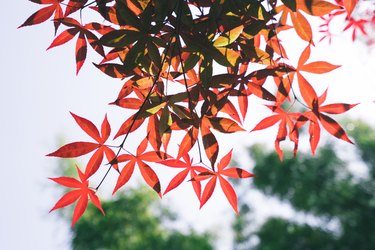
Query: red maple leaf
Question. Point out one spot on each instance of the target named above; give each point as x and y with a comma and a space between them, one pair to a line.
188, 167
83, 34
45, 13
76, 149
227, 188
81, 194
140, 159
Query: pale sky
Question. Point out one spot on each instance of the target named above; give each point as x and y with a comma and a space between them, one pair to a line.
39, 88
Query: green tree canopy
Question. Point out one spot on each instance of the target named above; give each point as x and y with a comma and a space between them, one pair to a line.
133, 221
320, 186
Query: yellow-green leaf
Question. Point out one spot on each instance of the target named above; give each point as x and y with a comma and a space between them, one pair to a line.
229, 37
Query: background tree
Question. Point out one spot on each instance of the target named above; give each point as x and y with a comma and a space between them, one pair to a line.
341, 202
134, 221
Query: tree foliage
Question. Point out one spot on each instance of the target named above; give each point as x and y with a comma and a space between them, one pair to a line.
322, 187
187, 68
134, 222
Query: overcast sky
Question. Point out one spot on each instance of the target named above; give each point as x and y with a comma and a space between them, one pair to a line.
39, 88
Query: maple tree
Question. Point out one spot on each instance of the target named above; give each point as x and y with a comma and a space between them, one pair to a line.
167, 54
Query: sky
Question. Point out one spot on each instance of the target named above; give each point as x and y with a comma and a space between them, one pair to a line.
39, 88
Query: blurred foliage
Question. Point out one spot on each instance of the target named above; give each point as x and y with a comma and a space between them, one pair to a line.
134, 220
131, 224
318, 186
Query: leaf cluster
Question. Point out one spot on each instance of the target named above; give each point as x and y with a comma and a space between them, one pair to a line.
186, 68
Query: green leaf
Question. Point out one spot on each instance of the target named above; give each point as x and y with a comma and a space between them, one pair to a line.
229, 37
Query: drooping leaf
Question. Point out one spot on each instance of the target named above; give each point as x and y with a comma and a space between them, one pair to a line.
229, 193
125, 175
150, 177
208, 191
350, 5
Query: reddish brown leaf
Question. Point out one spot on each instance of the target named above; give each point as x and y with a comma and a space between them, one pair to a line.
225, 125
260, 92
111, 157
236, 173
88, 127
304, 56
153, 134
316, 7
128, 126
129, 103
229, 193
150, 177
333, 128
74, 5
125, 175
112, 69
208, 190
64, 37
105, 130
142, 146
314, 131
318, 67
95, 200
350, 5
177, 180
302, 27
336, 108
67, 182
188, 142
94, 162
94, 43
267, 122
196, 185
210, 143
74, 149
81, 194
224, 162
67, 199
307, 91
79, 209
81, 51
40, 16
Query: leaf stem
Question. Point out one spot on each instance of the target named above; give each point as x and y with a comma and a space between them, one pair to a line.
179, 47
121, 146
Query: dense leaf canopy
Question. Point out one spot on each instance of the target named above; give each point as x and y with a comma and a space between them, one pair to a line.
187, 68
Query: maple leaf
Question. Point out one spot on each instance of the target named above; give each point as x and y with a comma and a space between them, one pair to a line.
140, 159
318, 67
76, 149
188, 167
45, 13
84, 36
81, 194
318, 113
299, 21
224, 125
227, 188
286, 123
